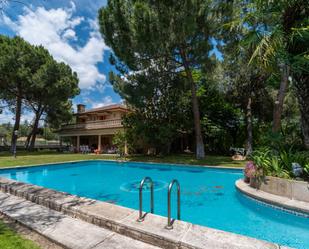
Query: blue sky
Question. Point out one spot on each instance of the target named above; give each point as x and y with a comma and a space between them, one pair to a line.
69, 30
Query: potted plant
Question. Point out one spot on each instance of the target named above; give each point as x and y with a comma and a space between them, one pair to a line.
249, 171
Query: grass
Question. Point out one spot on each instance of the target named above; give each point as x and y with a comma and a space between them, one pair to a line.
209, 160
32, 158
9, 239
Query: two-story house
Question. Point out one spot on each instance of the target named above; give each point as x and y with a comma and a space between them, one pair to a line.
95, 127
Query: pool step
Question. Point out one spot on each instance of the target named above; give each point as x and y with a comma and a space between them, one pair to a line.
123, 221
62, 229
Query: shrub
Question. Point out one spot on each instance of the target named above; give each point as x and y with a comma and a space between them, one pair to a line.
119, 140
279, 162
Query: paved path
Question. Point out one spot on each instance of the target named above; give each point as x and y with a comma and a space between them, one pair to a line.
62, 229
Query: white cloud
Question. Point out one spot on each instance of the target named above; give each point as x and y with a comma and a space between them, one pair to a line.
69, 34
54, 29
107, 100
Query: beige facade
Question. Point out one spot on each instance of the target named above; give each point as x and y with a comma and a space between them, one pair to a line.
95, 127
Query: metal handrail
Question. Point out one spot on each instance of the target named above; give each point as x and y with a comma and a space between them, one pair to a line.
141, 217
169, 220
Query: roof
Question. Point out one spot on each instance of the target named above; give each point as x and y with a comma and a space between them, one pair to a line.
106, 108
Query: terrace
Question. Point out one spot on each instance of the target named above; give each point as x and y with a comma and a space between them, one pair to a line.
94, 128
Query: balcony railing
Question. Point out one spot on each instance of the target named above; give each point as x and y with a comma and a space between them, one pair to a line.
94, 125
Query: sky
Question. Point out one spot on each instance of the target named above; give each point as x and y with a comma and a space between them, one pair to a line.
69, 30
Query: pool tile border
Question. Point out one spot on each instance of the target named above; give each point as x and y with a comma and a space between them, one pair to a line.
123, 161
122, 220
295, 207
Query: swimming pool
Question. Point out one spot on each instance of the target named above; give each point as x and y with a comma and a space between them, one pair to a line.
208, 195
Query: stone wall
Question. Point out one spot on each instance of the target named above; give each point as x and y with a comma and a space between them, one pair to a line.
296, 190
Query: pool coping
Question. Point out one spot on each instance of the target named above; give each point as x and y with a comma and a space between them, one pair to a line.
124, 161
122, 220
290, 205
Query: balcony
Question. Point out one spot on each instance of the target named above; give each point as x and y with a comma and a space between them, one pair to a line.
93, 125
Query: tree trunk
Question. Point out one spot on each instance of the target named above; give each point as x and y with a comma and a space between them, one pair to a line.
28, 140
17, 121
302, 91
35, 126
278, 107
305, 128
249, 146
200, 152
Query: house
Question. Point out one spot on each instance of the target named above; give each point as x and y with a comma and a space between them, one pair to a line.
95, 127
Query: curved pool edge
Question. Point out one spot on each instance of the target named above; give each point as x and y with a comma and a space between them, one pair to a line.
122, 220
292, 206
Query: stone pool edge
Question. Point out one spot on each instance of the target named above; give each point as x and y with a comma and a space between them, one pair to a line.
122, 161
122, 220
287, 204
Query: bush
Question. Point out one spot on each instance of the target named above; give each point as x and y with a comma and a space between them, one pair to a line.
306, 171
119, 140
279, 162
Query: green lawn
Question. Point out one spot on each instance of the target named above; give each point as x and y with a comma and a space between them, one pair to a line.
9, 239
26, 158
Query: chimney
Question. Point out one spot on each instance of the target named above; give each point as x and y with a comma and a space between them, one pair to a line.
80, 108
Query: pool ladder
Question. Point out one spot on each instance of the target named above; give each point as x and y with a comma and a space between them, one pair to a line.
141, 216
170, 222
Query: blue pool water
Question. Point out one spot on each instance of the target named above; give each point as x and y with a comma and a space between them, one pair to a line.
208, 195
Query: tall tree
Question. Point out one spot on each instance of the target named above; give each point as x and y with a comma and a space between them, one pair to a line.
30, 76
52, 87
19, 61
296, 26
178, 33
281, 38
161, 108
288, 39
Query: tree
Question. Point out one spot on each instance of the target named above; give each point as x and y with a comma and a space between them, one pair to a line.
296, 26
145, 33
246, 81
247, 89
221, 118
52, 87
19, 61
161, 108
30, 77
281, 38
288, 27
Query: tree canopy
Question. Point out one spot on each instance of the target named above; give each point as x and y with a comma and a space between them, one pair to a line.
30, 77
162, 53
174, 36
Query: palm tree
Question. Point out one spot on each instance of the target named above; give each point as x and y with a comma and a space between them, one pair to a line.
278, 34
